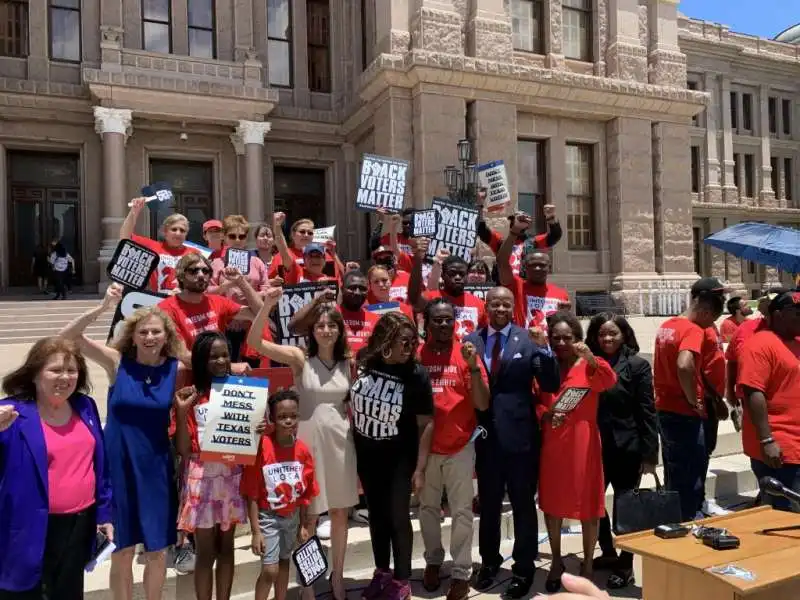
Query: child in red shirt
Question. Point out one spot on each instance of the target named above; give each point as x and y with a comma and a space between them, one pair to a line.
278, 489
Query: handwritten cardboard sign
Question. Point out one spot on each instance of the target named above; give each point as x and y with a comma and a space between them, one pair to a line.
132, 265
494, 178
382, 183
323, 234
235, 257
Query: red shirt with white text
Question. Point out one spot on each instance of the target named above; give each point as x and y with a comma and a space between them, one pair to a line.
212, 313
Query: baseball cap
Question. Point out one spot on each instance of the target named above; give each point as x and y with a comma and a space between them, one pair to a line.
212, 224
773, 293
381, 250
707, 285
784, 301
314, 247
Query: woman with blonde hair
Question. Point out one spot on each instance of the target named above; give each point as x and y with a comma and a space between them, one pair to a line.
142, 367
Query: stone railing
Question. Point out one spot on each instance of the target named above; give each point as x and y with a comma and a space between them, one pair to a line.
748, 44
660, 298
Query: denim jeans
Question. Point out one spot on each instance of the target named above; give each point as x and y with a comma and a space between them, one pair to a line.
788, 475
685, 457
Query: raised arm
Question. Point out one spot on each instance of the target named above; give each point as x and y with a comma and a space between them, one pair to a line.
303, 319
129, 224
436, 269
479, 383
278, 219
415, 297
288, 355
251, 296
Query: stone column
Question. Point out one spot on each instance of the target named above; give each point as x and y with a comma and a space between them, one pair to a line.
780, 193
666, 61
718, 257
734, 266
729, 192
393, 134
353, 236
391, 27
251, 135
766, 195
489, 31
554, 34
742, 187
713, 186
114, 126
435, 26
38, 42
626, 58
302, 93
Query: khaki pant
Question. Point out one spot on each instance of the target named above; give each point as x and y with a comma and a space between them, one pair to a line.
453, 473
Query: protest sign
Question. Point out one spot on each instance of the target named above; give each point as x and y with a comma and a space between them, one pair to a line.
235, 257
323, 234
310, 561
456, 229
206, 252
132, 265
494, 178
382, 183
131, 301
226, 424
479, 289
383, 308
570, 398
423, 223
156, 193
293, 299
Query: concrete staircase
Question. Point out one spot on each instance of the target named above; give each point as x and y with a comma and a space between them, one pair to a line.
23, 321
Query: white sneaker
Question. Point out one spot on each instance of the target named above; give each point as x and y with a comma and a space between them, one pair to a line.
712, 509
324, 529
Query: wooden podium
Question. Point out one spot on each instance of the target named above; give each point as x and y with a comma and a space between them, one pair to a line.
678, 569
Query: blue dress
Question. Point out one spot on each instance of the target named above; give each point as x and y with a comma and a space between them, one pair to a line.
140, 455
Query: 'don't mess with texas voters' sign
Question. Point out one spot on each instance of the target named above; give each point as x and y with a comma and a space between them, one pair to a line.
382, 183
132, 265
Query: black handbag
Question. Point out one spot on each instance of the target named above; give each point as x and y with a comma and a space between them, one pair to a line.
641, 509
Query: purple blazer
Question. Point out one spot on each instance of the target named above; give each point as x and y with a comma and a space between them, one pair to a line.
24, 497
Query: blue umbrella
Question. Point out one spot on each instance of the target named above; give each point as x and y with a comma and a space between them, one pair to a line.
760, 243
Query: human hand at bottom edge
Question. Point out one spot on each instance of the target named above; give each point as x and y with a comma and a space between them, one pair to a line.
578, 588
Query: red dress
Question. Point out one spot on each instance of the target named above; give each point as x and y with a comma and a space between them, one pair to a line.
571, 482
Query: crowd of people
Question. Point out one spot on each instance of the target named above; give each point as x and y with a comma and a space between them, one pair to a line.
417, 401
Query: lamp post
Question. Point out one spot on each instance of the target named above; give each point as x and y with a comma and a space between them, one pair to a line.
461, 181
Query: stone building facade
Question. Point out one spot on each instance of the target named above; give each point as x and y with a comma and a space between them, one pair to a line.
597, 106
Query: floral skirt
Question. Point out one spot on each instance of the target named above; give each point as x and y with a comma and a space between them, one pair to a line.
210, 496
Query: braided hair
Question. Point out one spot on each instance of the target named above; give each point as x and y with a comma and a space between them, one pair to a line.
386, 330
201, 353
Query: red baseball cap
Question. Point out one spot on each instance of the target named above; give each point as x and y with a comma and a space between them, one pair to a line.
212, 224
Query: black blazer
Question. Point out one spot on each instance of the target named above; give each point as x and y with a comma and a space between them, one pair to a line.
627, 413
511, 417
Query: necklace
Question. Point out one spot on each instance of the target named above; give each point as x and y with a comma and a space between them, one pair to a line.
325, 364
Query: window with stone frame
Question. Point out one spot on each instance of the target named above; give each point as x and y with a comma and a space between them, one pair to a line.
788, 180
202, 34
772, 110
532, 180
527, 25
367, 33
279, 43
319, 45
695, 169
580, 197
786, 116
65, 30
749, 175
693, 82
14, 28
577, 29
747, 111
737, 160
773, 163
157, 26
734, 97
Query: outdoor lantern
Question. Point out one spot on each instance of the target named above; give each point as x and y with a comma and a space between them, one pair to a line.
464, 150
472, 174
450, 177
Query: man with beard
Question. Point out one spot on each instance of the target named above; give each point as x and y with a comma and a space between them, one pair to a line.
508, 456
460, 387
194, 311
470, 311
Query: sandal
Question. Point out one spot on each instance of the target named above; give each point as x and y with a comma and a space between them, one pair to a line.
620, 579
551, 586
605, 562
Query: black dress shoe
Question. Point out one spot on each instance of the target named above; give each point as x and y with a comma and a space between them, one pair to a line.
518, 587
484, 578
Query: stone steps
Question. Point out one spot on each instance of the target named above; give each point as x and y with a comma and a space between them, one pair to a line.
25, 321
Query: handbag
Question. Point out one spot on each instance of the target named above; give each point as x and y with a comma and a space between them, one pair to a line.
642, 509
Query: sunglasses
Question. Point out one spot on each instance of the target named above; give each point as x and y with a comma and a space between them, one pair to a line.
240, 237
305, 231
196, 270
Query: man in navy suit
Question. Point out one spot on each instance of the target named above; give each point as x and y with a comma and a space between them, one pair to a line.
508, 457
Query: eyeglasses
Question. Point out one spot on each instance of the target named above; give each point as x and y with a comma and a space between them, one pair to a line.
240, 237
305, 231
196, 270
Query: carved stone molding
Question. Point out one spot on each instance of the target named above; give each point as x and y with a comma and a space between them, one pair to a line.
251, 132
627, 62
437, 31
111, 35
112, 120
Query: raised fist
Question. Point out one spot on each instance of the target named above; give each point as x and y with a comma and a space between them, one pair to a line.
278, 219
470, 354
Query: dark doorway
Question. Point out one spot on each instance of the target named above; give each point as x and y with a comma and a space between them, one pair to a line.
300, 193
44, 207
192, 185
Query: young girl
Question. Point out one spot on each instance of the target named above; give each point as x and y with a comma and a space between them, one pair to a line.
211, 505
279, 488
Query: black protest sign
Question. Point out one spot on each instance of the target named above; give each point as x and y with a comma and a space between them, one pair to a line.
423, 223
293, 299
456, 228
479, 289
382, 183
310, 561
234, 257
131, 301
132, 265
570, 398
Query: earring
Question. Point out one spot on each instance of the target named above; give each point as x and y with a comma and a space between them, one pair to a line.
386, 353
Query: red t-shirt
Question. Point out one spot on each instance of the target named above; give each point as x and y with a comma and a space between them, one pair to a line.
282, 479
163, 278
297, 254
533, 303
744, 332
470, 311
454, 417
728, 328
299, 274
714, 360
403, 242
212, 313
515, 260
767, 364
358, 326
196, 419
673, 337
399, 290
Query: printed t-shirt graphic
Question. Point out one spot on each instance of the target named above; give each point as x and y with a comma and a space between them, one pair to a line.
533, 303
358, 326
470, 311
377, 400
163, 279
538, 242
212, 313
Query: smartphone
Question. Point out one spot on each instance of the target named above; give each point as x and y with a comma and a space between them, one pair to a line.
670, 532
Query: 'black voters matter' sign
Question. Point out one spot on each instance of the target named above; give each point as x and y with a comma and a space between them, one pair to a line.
234, 257
382, 183
423, 223
132, 264
456, 229
479, 289
293, 299
310, 561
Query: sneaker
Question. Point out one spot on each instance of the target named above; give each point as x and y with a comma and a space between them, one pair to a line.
396, 590
712, 509
185, 559
324, 528
360, 516
380, 581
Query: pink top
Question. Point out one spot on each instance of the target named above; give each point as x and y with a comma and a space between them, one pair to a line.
257, 277
70, 466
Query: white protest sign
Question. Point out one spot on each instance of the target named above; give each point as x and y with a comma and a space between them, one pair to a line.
236, 405
293, 299
132, 265
423, 223
310, 561
382, 183
456, 229
235, 257
479, 289
323, 234
494, 178
130, 303
206, 252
